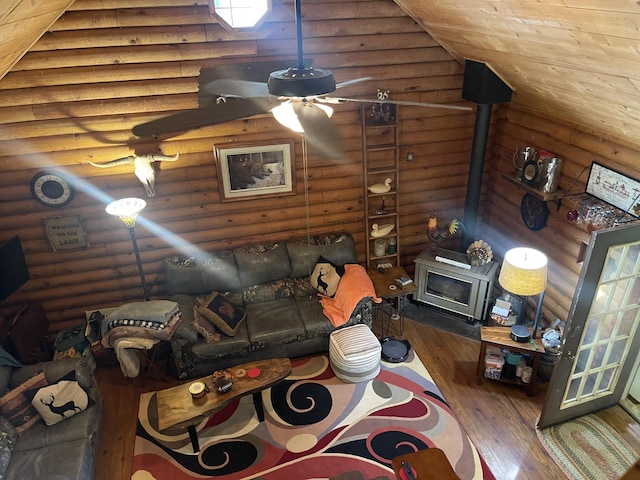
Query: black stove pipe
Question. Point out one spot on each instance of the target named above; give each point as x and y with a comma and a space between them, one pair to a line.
482, 86
476, 168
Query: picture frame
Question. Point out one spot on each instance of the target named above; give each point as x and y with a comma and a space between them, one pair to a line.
255, 170
616, 189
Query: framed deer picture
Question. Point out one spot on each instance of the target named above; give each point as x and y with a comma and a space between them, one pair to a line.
248, 171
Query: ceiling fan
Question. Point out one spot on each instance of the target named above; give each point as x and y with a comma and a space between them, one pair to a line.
296, 96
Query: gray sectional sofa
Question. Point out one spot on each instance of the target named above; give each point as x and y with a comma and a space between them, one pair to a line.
270, 282
65, 450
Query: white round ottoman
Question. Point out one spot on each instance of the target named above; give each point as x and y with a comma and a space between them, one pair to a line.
354, 353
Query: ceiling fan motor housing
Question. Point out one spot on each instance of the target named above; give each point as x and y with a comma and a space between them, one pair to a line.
301, 82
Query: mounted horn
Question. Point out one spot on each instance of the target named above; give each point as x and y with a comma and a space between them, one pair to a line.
143, 168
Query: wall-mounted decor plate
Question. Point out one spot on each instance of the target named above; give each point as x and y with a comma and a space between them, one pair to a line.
534, 211
51, 189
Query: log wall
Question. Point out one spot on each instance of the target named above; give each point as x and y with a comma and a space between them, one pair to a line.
104, 67
561, 239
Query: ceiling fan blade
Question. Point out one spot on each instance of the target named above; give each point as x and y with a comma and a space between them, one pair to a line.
338, 100
351, 82
320, 131
213, 114
227, 87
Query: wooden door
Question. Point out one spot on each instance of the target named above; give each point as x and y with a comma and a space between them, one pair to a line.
602, 338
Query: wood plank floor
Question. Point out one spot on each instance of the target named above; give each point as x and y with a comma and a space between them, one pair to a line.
500, 419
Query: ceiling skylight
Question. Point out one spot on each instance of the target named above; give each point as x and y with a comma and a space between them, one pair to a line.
237, 14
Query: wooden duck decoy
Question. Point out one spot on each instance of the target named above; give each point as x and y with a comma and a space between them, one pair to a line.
381, 230
381, 187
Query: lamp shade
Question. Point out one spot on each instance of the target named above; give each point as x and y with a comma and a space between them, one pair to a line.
524, 272
126, 209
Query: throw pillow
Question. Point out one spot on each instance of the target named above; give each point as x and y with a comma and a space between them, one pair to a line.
205, 328
60, 400
326, 277
17, 407
221, 313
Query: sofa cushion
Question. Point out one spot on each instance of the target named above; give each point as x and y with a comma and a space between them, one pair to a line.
17, 408
202, 274
185, 327
325, 277
72, 460
238, 345
265, 292
338, 248
315, 322
60, 400
221, 313
262, 263
274, 322
220, 271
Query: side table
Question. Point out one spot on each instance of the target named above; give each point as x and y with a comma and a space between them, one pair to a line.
500, 337
390, 291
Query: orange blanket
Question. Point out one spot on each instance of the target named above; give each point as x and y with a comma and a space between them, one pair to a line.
354, 285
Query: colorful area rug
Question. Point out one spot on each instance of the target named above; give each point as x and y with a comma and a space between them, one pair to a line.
587, 448
315, 427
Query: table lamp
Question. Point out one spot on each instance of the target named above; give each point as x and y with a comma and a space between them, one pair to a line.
127, 209
524, 273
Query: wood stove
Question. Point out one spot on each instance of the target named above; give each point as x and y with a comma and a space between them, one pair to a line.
465, 291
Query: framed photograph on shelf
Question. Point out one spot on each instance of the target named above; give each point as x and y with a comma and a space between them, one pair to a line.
248, 171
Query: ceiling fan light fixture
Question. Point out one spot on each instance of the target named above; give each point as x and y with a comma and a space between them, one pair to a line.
286, 116
301, 82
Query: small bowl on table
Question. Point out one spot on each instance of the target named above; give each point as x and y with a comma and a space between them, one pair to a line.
222, 380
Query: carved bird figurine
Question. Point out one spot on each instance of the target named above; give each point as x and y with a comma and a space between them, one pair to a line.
381, 187
381, 230
439, 234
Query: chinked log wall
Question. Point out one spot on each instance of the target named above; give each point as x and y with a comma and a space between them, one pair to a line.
106, 66
561, 240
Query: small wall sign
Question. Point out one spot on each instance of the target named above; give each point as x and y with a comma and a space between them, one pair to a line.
619, 190
66, 232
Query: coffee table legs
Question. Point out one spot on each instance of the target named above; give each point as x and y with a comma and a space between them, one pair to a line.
193, 436
257, 403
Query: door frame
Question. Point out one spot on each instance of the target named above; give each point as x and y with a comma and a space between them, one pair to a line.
590, 276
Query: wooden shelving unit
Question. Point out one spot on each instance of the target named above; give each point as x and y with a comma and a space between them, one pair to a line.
381, 155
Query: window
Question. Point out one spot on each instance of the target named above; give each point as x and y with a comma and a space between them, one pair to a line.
238, 14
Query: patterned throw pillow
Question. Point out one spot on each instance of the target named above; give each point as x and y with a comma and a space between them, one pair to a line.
326, 277
60, 400
221, 313
17, 407
203, 326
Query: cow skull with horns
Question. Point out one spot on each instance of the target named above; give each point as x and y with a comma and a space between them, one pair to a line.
143, 168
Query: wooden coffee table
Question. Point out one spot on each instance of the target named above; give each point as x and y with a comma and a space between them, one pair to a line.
178, 410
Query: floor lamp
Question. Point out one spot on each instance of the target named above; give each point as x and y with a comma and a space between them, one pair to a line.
127, 210
524, 273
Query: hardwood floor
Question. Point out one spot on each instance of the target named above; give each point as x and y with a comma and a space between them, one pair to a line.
500, 419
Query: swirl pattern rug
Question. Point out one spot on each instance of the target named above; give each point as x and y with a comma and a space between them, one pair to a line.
315, 427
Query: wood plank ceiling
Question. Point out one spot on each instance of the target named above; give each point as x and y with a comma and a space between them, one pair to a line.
578, 60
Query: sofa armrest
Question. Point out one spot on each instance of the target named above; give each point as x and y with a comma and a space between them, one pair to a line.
53, 370
363, 313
